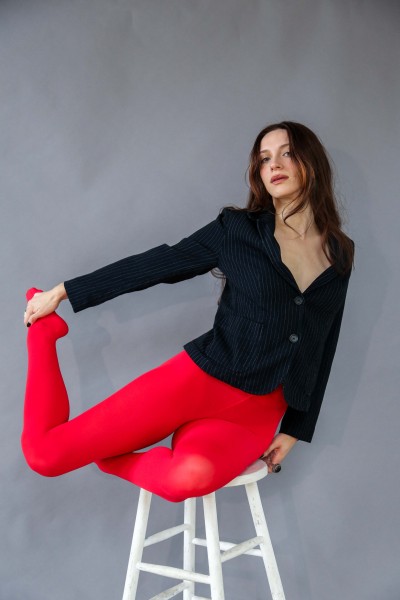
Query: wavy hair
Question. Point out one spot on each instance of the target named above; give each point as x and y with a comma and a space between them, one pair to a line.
316, 189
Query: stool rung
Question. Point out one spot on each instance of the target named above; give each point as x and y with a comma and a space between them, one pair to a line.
186, 577
165, 534
173, 572
239, 549
171, 592
227, 546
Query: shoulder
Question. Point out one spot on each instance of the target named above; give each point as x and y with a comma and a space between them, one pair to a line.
243, 214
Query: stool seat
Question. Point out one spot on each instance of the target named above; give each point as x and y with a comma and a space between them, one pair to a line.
218, 551
256, 471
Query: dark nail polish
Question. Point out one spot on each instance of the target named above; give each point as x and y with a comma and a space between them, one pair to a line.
28, 324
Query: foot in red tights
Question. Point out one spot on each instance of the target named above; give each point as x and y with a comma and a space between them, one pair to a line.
52, 325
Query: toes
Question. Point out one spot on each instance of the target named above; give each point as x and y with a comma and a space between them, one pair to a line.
31, 292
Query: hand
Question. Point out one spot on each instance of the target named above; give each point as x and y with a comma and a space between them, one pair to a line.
44, 303
278, 449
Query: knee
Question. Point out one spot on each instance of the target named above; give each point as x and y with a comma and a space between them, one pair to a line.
39, 459
103, 464
194, 476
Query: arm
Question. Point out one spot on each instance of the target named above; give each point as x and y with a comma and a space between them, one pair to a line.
299, 424
193, 255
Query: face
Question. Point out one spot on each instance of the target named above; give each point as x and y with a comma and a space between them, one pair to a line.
276, 160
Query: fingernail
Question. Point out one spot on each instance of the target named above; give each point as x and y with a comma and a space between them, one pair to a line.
28, 324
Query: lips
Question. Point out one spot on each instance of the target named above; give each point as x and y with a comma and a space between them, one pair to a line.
278, 178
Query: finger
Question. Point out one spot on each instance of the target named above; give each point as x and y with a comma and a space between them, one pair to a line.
31, 315
277, 456
35, 316
272, 460
268, 461
269, 454
30, 303
269, 465
27, 315
30, 307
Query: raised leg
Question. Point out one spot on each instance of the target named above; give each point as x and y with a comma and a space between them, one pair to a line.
210, 446
143, 412
266, 548
46, 400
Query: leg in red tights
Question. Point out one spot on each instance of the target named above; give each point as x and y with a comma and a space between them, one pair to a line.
209, 448
205, 455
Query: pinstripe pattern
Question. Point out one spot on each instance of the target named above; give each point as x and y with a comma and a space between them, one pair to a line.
265, 331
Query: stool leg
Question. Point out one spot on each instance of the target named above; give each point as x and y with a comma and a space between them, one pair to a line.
267, 551
188, 546
139, 534
213, 547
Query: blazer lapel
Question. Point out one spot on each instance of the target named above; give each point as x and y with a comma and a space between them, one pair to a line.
266, 226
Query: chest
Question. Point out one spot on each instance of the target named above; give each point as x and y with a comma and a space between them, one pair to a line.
305, 259
263, 280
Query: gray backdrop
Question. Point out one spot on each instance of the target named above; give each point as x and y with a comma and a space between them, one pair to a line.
126, 124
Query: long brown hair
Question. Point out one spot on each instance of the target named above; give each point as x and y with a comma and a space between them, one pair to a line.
316, 188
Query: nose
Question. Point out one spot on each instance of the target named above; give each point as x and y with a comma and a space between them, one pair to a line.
274, 164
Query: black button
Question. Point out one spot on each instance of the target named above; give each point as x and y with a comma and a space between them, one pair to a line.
299, 299
293, 337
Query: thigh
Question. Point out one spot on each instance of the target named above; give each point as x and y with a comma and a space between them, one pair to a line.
225, 444
216, 449
150, 408
260, 414
143, 412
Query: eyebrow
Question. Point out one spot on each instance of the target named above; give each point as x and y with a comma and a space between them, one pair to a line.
266, 150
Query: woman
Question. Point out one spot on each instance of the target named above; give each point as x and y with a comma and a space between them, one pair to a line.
286, 265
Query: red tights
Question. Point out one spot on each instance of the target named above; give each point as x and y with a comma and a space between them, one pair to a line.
218, 430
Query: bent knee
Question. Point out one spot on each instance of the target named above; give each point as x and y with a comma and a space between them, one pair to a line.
193, 476
103, 464
40, 459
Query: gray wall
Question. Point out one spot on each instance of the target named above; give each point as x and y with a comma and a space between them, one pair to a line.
126, 124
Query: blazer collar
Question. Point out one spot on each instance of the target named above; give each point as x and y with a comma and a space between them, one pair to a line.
265, 221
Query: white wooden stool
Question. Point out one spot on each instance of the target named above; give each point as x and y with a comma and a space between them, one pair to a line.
187, 575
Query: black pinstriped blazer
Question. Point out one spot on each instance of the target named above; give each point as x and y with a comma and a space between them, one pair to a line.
265, 331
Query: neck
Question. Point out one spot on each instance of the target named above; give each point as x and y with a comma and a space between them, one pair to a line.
302, 222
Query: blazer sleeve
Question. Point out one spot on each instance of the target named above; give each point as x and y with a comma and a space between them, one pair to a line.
193, 255
302, 424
